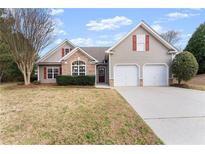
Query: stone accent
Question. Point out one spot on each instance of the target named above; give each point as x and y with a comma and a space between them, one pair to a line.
78, 55
111, 82
141, 83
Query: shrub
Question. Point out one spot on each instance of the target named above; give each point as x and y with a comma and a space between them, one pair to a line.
184, 66
33, 78
75, 80
36, 82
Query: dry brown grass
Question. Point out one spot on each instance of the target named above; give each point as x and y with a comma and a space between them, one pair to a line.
198, 83
198, 80
63, 115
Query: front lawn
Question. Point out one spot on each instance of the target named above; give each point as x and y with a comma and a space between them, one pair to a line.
63, 115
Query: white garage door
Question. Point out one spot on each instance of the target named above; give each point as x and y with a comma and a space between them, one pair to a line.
155, 75
126, 75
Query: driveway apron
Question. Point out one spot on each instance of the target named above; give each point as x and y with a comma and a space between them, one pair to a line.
176, 115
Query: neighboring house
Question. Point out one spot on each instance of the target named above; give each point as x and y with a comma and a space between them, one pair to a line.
141, 58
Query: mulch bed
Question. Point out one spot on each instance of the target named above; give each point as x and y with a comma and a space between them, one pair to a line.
180, 85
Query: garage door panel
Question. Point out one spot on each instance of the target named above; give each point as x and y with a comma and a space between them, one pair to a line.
126, 75
155, 75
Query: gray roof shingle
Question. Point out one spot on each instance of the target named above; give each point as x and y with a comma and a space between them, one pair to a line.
96, 52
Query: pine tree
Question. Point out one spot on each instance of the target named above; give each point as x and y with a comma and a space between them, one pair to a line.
196, 46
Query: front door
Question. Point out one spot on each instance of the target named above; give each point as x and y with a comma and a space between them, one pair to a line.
101, 74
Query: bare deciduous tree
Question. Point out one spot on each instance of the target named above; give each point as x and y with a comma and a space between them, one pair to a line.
171, 36
27, 32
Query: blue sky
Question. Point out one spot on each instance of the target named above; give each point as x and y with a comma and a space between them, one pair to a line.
103, 27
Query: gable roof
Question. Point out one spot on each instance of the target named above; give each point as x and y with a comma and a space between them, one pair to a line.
52, 51
151, 31
96, 52
75, 50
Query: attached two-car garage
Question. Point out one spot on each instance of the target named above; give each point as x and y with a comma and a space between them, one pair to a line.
155, 75
152, 74
126, 75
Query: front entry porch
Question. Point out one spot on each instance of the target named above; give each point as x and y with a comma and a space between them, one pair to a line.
102, 74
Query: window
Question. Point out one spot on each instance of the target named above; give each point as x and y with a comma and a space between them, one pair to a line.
56, 72
141, 42
53, 72
50, 72
67, 50
78, 68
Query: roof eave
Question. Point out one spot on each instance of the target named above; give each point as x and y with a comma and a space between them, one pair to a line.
148, 28
173, 52
74, 50
53, 50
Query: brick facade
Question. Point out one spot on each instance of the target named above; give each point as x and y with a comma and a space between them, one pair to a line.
78, 55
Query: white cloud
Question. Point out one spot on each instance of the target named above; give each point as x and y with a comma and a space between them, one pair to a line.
82, 41
118, 36
58, 41
59, 28
196, 9
103, 43
179, 15
158, 28
186, 35
187, 13
102, 40
60, 32
109, 23
56, 11
103, 36
160, 20
114, 37
58, 22
183, 41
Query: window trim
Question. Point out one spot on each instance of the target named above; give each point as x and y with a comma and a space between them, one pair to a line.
144, 44
78, 67
52, 67
65, 50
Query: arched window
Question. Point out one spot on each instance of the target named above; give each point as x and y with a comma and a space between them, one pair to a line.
78, 68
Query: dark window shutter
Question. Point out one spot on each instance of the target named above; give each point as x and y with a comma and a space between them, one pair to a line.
134, 42
45, 72
60, 70
62, 52
147, 43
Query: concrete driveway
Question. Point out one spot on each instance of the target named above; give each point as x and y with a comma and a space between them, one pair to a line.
176, 115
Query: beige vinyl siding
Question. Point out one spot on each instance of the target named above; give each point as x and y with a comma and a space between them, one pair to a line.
123, 53
58, 55
41, 75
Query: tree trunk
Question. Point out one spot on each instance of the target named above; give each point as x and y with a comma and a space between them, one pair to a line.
1, 75
26, 73
25, 78
28, 78
179, 81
